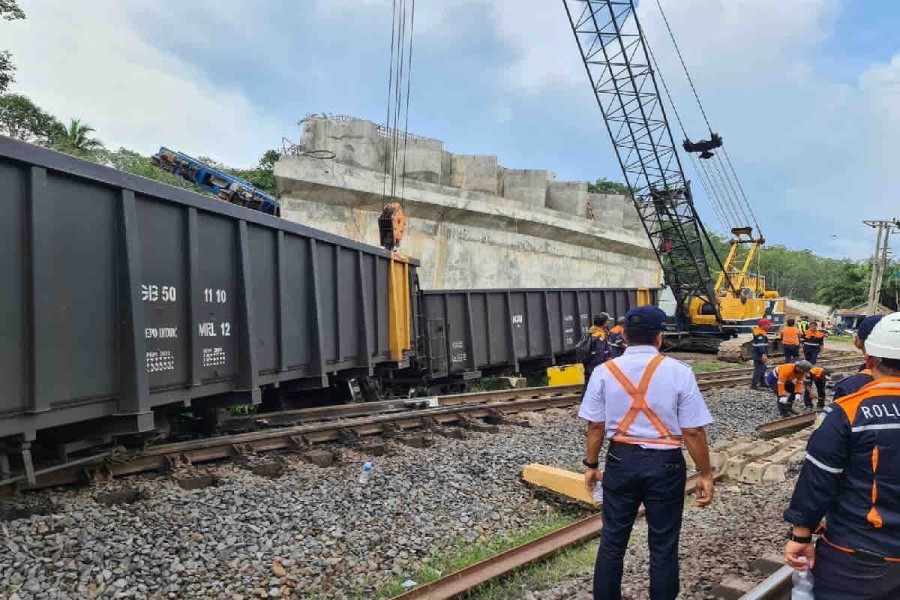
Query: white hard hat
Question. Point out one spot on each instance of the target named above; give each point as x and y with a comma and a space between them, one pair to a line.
884, 341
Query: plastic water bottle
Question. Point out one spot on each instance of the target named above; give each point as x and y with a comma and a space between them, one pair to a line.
803, 584
366, 471
598, 494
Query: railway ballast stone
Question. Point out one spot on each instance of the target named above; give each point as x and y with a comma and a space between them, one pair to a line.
339, 539
320, 458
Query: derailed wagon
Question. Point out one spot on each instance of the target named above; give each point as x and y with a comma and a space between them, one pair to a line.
470, 333
125, 296
129, 302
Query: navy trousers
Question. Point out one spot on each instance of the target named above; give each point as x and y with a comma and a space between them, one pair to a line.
759, 374
783, 409
820, 389
791, 353
811, 353
840, 576
654, 478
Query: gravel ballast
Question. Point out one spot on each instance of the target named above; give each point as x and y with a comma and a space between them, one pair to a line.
743, 523
313, 532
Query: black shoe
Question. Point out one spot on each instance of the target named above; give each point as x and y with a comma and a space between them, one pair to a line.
754, 387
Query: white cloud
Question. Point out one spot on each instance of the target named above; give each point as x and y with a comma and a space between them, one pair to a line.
84, 59
814, 153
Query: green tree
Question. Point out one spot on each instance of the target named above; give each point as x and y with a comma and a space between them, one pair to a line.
605, 186
77, 139
9, 11
846, 286
138, 164
263, 176
23, 119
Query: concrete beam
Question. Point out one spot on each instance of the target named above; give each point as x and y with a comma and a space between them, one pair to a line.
333, 183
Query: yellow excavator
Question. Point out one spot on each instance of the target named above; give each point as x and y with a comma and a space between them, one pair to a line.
743, 298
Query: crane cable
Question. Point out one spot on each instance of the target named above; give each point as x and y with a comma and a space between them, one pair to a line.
724, 212
399, 72
741, 201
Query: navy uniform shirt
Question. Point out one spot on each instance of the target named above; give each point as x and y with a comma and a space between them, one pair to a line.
852, 383
851, 475
759, 345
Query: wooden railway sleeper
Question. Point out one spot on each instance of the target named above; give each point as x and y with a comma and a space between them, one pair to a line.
496, 417
348, 436
177, 462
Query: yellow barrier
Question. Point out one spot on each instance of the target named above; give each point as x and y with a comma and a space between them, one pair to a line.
566, 374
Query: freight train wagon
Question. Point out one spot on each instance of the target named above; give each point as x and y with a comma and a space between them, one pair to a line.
470, 333
128, 302
124, 298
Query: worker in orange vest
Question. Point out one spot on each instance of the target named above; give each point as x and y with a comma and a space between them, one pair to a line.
787, 382
813, 342
818, 376
616, 340
790, 340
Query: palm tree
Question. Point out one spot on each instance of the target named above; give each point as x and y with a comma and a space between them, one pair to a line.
76, 138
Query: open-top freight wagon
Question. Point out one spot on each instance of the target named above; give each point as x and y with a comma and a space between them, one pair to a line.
128, 301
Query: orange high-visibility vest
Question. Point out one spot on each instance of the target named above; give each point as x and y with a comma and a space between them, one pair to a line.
790, 336
639, 405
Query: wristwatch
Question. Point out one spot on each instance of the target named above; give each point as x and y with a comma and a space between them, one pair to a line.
591, 465
807, 539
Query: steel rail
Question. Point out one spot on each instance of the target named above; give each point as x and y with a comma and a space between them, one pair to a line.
776, 586
708, 380
306, 427
464, 580
787, 423
296, 437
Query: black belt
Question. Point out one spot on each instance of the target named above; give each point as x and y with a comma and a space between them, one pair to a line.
623, 447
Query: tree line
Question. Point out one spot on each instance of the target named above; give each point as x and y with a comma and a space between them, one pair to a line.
800, 274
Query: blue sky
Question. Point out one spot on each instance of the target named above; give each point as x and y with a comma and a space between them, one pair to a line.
805, 93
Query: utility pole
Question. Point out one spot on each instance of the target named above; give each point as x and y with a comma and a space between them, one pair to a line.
879, 260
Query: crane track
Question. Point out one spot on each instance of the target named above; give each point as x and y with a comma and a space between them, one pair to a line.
299, 429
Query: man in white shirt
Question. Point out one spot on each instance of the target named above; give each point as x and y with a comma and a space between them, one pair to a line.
647, 405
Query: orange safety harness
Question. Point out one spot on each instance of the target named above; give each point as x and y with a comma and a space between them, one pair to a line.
639, 405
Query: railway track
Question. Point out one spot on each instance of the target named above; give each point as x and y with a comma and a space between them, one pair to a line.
459, 582
743, 376
302, 428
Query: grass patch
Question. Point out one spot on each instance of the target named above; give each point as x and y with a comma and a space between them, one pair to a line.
711, 366
465, 554
537, 378
839, 338
487, 384
566, 564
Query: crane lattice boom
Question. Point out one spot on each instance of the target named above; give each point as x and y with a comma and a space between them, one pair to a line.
618, 63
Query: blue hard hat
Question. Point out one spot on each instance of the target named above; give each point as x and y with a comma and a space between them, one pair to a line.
648, 318
866, 327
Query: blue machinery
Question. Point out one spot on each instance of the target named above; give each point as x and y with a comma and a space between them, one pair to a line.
226, 187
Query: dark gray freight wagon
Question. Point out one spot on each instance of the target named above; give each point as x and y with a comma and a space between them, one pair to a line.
473, 332
122, 295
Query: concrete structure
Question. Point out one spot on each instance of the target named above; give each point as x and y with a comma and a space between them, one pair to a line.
473, 223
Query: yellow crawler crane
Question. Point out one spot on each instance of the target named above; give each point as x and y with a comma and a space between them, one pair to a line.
743, 298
